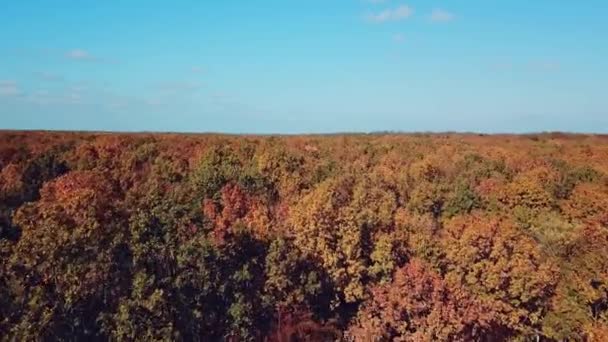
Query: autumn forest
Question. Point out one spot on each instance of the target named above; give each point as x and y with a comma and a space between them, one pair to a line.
351, 237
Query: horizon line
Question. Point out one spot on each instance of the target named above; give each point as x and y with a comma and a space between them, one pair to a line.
270, 134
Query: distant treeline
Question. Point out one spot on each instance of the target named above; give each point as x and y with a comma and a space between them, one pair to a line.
372, 237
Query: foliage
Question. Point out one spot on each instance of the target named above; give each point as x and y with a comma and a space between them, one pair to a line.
420, 306
426, 237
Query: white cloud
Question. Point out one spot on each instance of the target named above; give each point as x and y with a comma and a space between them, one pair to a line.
180, 86
79, 55
548, 65
197, 70
376, 1
539, 65
503, 65
9, 89
48, 76
74, 96
219, 96
398, 38
396, 14
68, 95
42, 92
154, 102
441, 16
117, 105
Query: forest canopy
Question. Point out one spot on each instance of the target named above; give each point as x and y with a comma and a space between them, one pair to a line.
355, 237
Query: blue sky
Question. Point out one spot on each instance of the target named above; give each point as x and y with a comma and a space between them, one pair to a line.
304, 66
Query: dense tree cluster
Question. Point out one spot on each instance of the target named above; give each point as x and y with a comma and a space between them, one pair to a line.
426, 237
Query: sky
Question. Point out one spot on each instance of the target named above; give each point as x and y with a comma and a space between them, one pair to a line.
314, 66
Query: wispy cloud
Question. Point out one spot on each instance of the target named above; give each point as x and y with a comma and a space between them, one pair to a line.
179, 86
117, 105
76, 55
62, 97
548, 65
376, 1
48, 76
85, 56
503, 65
439, 15
9, 88
80, 55
197, 70
154, 102
535, 66
395, 14
398, 38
